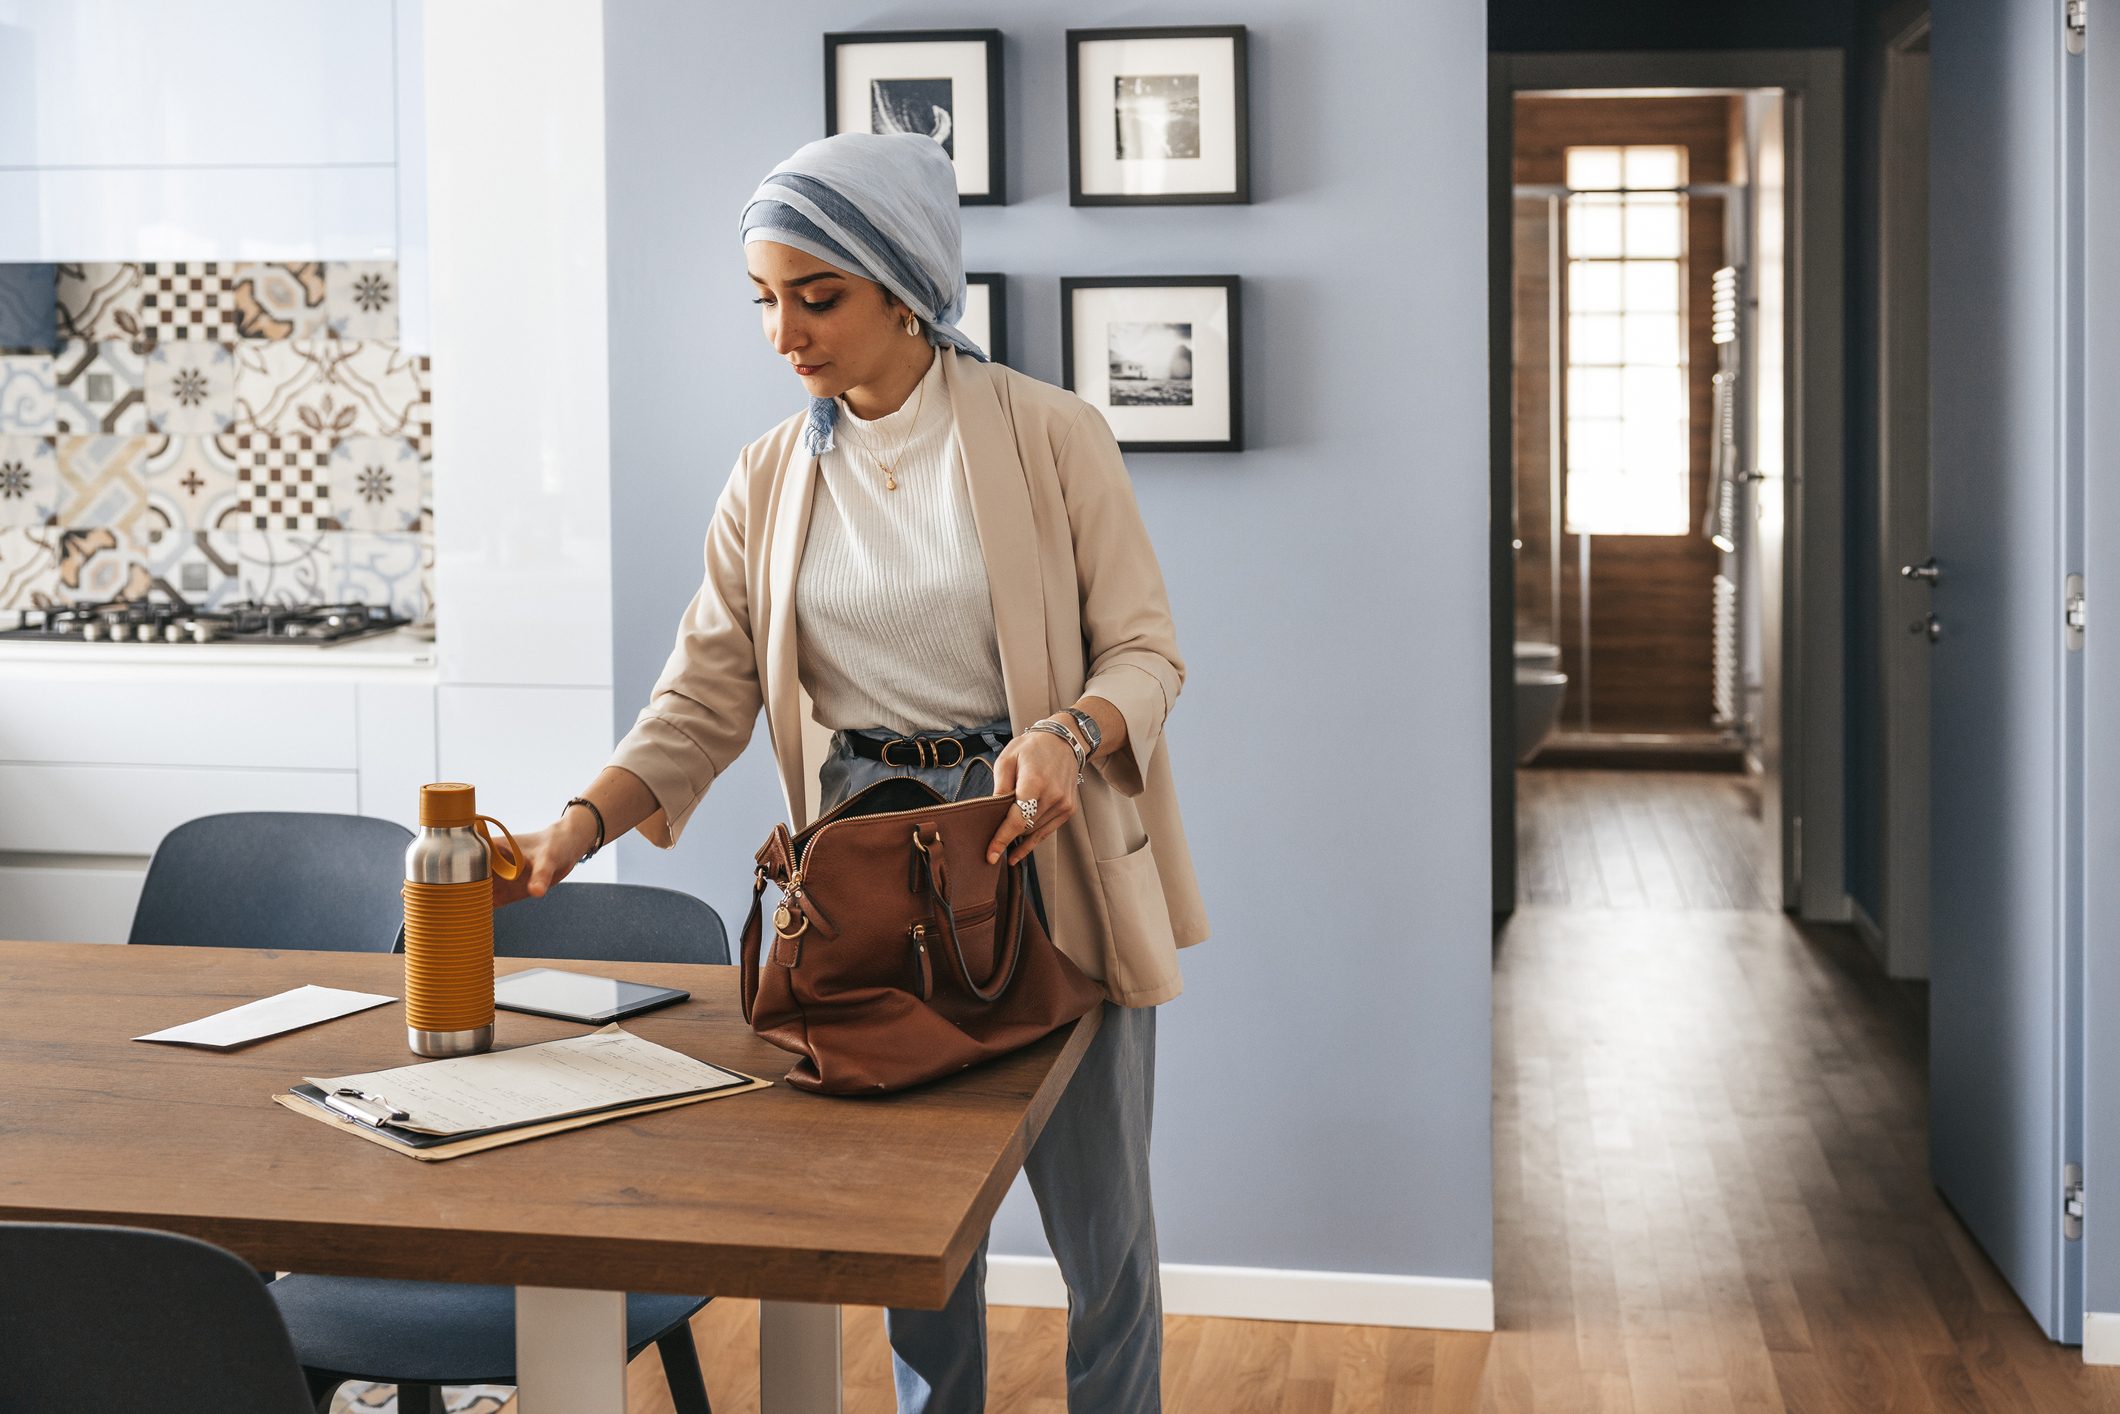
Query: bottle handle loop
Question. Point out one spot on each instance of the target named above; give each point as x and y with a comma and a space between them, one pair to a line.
514, 855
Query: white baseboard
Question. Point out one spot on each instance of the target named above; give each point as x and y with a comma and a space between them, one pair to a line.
1264, 1294
2101, 1338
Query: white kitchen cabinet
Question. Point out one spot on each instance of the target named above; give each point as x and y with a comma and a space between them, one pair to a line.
106, 748
125, 810
514, 147
104, 718
69, 902
143, 83
240, 130
395, 739
527, 749
159, 213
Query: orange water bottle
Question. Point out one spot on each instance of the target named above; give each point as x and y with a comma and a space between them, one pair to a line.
449, 869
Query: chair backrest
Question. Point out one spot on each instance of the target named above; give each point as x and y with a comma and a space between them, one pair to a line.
276, 879
122, 1320
611, 923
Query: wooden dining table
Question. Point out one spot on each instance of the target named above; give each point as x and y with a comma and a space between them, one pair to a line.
801, 1200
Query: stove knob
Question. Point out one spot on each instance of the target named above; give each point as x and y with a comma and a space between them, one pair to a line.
92, 632
173, 632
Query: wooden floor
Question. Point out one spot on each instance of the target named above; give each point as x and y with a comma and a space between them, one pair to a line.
1710, 1190
1642, 839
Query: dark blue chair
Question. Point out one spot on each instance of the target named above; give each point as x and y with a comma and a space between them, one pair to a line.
421, 1336
122, 1320
276, 879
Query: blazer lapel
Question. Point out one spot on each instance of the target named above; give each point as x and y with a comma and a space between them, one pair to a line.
1008, 532
783, 686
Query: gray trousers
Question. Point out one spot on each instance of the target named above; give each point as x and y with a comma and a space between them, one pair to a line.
1089, 1173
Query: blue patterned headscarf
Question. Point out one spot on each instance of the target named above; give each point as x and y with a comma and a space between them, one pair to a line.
882, 206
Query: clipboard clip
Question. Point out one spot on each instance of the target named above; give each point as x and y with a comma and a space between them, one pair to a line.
371, 1110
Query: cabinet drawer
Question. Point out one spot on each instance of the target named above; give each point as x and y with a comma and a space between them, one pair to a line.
190, 722
63, 904
103, 810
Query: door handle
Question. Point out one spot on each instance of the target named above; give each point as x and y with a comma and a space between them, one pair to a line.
1925, 570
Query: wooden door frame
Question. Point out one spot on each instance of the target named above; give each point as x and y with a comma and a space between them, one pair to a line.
1814, 865
1902, 930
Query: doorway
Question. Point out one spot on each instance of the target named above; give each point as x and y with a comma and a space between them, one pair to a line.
1666, 590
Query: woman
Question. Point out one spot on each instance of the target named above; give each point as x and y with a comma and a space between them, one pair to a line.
941, 561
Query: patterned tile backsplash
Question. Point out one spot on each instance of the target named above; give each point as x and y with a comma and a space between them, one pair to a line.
216, 432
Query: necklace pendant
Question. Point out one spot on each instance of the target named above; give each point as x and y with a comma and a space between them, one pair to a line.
890, 482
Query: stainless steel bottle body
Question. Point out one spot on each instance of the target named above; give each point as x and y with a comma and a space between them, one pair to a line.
454, 854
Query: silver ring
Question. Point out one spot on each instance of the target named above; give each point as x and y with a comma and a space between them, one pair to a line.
1030, 812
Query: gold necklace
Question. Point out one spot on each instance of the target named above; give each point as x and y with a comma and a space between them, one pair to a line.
890, 480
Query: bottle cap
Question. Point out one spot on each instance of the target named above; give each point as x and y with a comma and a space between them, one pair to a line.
447, 805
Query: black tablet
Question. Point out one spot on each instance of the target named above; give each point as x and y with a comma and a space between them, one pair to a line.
578, 996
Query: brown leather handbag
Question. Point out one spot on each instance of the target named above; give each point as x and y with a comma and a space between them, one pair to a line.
899, 954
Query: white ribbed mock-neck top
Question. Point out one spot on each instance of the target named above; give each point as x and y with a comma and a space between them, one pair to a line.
895, 622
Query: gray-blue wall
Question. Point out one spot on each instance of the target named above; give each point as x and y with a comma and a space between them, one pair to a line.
1323, 1084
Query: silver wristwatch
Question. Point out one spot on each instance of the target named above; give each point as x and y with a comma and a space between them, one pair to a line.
1091, 737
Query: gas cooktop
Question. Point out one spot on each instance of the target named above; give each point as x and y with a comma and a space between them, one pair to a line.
157, 621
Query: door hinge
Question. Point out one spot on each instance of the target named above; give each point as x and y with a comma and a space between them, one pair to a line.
2072, 1201
2073, 614
2075, 16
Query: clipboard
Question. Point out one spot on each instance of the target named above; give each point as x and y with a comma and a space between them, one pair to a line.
434, 1148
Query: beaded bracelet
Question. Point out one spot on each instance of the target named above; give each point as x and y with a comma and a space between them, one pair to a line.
584, 800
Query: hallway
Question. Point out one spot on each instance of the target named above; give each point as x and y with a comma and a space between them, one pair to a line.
1710, 1149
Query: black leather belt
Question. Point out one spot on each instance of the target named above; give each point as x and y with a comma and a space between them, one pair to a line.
943, 751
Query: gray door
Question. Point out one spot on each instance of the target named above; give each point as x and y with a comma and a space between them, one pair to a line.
2004, 737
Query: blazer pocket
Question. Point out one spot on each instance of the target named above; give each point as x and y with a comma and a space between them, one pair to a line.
1142, 952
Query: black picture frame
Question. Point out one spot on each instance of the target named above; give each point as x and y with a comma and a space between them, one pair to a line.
1237, 195
1231, 286
996, 193
996, 285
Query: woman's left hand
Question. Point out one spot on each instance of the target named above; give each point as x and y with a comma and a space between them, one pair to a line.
1035, 766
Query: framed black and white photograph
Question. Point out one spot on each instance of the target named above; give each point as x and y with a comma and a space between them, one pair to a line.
1159, 355
986, 313
1157, 117
940, 83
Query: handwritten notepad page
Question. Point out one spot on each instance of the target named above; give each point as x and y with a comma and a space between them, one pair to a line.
530, 1083
253, 1021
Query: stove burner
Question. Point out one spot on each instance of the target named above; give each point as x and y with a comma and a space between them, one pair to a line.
157, 621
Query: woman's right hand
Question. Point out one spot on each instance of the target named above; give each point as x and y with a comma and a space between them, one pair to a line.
549, 855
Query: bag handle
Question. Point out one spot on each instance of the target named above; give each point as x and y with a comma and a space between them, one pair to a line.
747, 980
1008, 903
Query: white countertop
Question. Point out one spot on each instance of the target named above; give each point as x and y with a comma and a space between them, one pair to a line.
391, 653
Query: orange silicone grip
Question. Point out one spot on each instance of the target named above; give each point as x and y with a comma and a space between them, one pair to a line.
449, 955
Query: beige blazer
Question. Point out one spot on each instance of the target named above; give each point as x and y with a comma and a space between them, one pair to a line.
1079, 607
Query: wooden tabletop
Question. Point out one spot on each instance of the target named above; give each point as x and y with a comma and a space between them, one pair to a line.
775, 1194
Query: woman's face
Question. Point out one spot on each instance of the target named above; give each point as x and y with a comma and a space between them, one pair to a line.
837, 331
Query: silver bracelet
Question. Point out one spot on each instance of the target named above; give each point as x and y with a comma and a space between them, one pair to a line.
1067, 736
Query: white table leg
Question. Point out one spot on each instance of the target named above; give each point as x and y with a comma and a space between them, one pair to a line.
570, 1351
798, 1358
